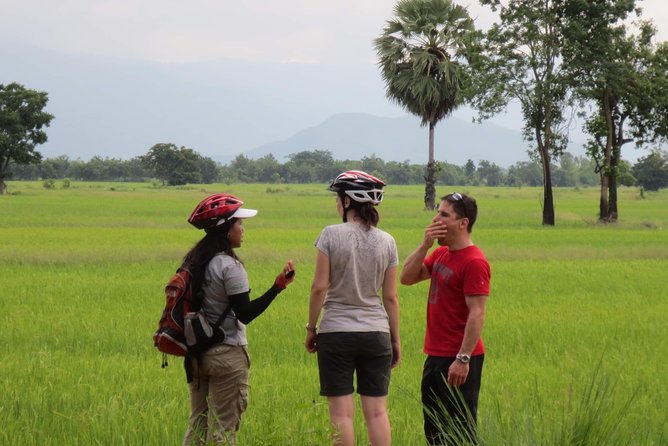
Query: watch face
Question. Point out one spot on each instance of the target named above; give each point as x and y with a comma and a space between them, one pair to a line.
463, 358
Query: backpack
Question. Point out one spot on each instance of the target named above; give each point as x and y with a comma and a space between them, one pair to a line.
182, 330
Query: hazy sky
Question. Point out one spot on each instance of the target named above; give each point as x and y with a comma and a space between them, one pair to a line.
306, 31
334, 33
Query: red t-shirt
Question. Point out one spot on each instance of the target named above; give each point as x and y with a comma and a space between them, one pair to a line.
454, 274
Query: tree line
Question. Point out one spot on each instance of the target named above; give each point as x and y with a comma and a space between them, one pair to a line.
168, 164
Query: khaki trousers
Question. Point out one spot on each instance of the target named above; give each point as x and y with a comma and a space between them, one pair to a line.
218, 395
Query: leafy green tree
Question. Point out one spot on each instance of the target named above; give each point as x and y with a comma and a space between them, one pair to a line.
312, 166
525, 173
162, 159
86, 170
522, 62
586, 172
651, 171
373, 165
348, 164
625, 174
172, 165
227, 174
95, 169
625, 76
566, 174
269, 169
577, 171
189, 168
402, 173
490, 174
451, 174
22, 122
470, 170
24, 171
47, 171
114, 169
244, 169
208, 168
60, 166
98, 167
422, 54
136, 171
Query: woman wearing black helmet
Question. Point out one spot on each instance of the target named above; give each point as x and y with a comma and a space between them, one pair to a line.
218, 378
359, 330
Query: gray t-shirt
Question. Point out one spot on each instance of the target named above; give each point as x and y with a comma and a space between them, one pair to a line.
358, 259
225, 277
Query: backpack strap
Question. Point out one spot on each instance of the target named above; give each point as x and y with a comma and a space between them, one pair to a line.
185, 267
222, 316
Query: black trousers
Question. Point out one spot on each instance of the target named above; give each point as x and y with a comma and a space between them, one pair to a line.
450, 413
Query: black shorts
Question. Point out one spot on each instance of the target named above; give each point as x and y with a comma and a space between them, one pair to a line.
340, 354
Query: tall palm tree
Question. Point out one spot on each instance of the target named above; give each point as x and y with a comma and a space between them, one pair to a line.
422, 55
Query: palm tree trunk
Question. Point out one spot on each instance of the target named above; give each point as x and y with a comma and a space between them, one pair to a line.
430, 178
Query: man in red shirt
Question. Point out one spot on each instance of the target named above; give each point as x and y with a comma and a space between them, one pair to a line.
460, 276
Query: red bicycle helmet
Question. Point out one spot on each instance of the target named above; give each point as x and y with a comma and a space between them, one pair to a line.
216, 209
360, 186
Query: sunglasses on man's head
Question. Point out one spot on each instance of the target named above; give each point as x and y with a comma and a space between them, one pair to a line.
456, 196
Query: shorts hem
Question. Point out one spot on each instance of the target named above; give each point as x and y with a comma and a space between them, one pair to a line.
336, 394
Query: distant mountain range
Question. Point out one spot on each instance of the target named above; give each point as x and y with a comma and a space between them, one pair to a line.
355, 135
121, 108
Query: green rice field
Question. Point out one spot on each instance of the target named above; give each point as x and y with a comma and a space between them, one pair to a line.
576, 328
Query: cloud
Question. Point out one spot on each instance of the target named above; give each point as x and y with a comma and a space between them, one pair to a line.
315, 31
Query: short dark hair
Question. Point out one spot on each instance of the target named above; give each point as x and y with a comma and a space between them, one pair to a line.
464, 205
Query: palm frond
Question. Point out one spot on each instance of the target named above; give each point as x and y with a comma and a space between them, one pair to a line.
421, 55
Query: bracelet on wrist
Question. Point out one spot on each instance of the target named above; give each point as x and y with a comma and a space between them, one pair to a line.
312, 329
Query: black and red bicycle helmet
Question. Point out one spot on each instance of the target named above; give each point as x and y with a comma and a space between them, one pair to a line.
216, 209
359, 186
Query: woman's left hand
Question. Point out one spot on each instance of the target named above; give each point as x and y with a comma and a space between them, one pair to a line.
396, 353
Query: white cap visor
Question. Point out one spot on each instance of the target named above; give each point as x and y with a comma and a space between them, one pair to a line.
244, 213
239, 213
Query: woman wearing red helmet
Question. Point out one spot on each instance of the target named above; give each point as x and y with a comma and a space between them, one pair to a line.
218, 379
359, 329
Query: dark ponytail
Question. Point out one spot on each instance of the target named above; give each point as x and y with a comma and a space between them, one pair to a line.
365, 211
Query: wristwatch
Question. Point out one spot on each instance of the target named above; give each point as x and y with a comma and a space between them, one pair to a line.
312, 329
464, 358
